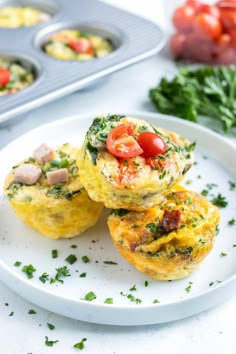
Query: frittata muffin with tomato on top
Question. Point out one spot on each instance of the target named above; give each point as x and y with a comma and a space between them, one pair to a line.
45, 192
76, 45
14, 76
167, 241
128, 163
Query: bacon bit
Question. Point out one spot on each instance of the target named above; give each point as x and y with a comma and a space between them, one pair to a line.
171, 220
155, 163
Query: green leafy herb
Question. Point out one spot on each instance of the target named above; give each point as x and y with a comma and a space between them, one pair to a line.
232, 185
44, 277
156, 301
71, 259
189, 287
90, 296
54, 253
133, 288
50, 343
232, 222
220, 201
110, 262
223, 254
83, 275
32, 312
61, 272
207, 91
29, 270
119, 212
146, 283
85, 259
17, 264
108, 300
80, 345
50, 326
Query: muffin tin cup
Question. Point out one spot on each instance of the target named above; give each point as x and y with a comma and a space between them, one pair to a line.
133, 39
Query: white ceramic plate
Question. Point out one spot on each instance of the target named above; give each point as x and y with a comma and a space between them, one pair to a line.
214, 282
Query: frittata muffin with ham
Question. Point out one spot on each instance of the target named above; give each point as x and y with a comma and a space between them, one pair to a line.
168, 241
128, 163
46, 193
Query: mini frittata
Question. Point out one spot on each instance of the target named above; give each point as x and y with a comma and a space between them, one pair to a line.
128, 163
14, 77
46, 193
168, 241
76, 45
20, 16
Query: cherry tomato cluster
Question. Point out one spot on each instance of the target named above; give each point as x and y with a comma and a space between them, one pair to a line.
205, 33
82, 45
121, 142
5, 77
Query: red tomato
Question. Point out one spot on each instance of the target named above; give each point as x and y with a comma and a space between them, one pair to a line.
209, 9
121, 142
230, 4
207, 26
183, 18
81, 45
177, 43
232, 35
195, 4
227, 56
198, 49
151, 143
5, 77
228, 18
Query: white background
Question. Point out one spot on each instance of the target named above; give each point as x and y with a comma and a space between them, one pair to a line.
212, 331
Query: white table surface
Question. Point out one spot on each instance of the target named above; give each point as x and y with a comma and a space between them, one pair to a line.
210, 332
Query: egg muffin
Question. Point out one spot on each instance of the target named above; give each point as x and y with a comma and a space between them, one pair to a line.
76, 45
46, 193
168, 241
14, 76
16, 16
128, 163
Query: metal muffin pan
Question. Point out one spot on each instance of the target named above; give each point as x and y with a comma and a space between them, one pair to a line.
133, 39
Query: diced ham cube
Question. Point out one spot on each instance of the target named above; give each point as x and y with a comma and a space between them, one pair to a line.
57, 176
43, 153
171, 220
27, 174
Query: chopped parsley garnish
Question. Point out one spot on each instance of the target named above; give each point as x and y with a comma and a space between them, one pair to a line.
154, 228
146, 283
90, 296
110, 262
83, 275
232, 222
17, 264
189, 287
61, 272
109, 300
29, 270
50, 326
93, 152
50, 343
11, 314
220, 201
32, 312
80, 345
119, 212
131, 297
223, 254
44, 277
232, 185
204, 192
71, 259
156, 301
133, 288
54, 253
85, 259
73, 246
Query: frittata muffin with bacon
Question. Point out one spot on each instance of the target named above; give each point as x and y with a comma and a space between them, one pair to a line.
168, 241
46, 193
128, 163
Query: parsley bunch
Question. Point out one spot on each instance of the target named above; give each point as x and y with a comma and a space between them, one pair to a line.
207, 91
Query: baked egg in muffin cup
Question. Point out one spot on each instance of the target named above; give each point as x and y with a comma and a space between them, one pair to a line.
128, 163
21, 16
14, 76
71, 44
45, 192
167, 241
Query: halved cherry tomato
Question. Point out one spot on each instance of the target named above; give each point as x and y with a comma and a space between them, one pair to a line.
207, 26
183, 18
5, 77
151, 143
177, 43
81, 45
121, 142
228, 18
209, 9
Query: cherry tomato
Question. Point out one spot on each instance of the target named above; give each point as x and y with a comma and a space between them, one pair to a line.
81, 45
198, 49
228, 18
177, 43
121, 142
232, 35
207, 26
195, 4
183, 18
5, 77
151, 143
227, 56
209, 9
230, 4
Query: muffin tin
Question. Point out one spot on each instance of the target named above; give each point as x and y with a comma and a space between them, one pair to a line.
133, 39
